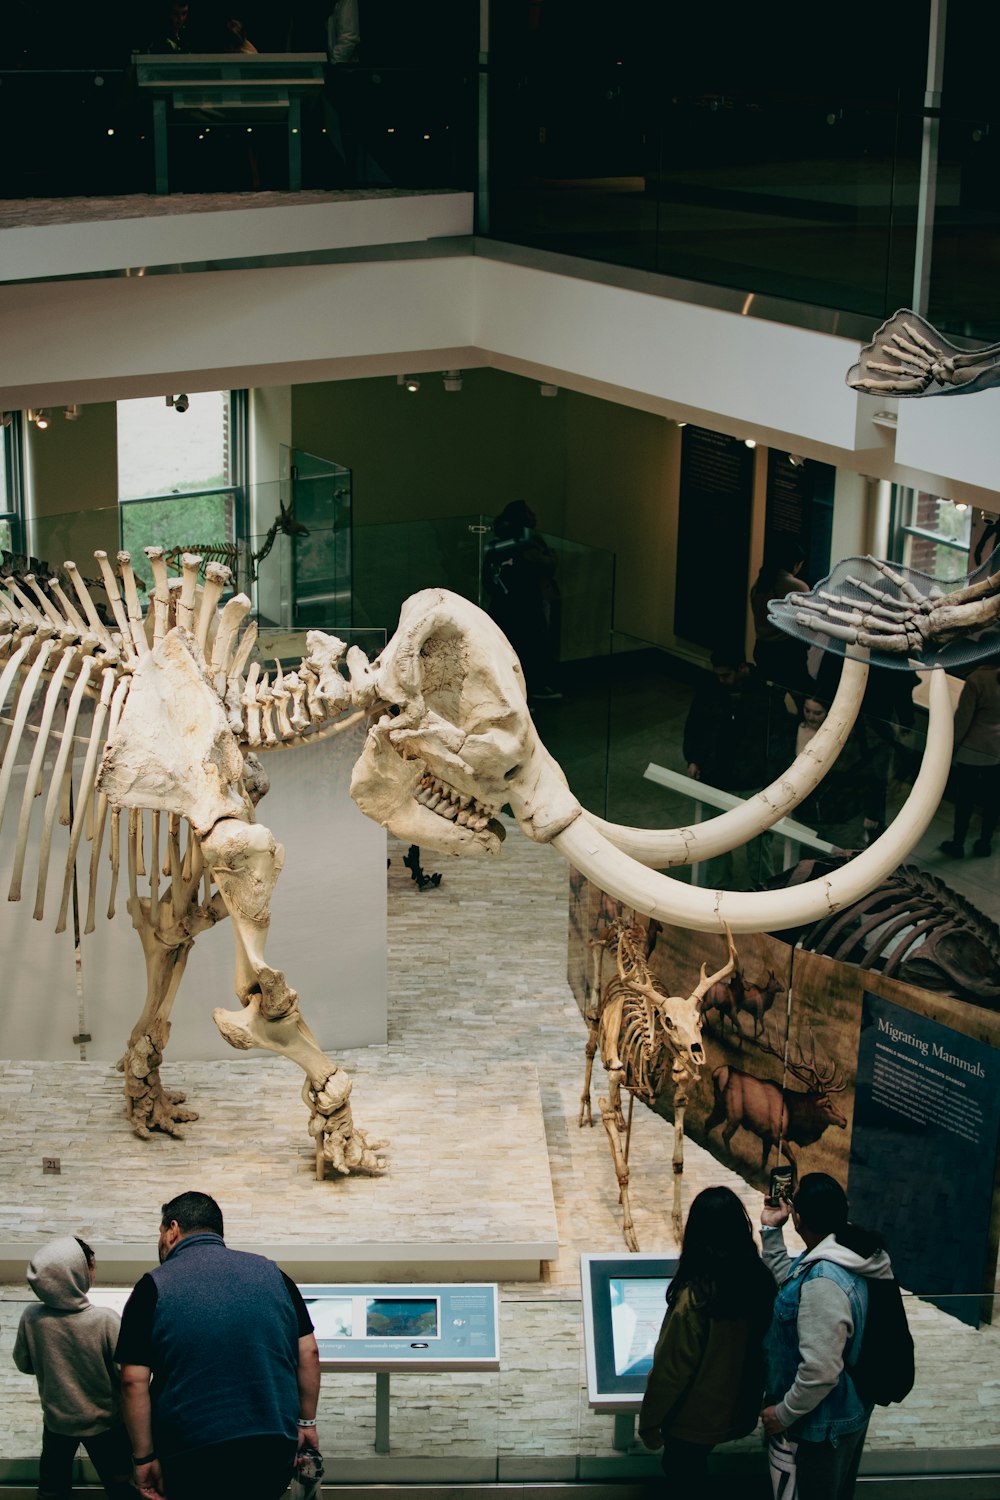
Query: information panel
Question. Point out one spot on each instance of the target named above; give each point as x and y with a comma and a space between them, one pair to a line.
624, 1300
384, 1326
924, 1150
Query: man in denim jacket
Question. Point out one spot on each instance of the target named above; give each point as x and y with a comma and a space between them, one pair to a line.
816, 1333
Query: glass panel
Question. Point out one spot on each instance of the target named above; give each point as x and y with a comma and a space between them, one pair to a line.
192, 523
166, 450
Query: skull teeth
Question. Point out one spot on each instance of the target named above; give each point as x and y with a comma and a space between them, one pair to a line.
456, 807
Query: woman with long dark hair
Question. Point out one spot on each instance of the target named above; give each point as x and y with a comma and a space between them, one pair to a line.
708, 1369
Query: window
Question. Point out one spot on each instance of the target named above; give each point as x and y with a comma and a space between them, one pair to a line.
931, 533
10, 486
181, 466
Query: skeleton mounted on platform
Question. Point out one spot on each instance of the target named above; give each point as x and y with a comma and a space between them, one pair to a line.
650, 1044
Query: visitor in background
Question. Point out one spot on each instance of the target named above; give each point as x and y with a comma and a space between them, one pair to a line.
708, 1368
780, 657
975, 771
522, 594
68, 1344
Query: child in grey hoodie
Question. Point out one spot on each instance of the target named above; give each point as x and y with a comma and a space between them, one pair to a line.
68, 1344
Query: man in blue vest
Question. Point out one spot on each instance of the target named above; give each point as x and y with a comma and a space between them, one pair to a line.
814, 1416
220, 1368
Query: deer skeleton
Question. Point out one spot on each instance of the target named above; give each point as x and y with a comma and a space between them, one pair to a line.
646, 1039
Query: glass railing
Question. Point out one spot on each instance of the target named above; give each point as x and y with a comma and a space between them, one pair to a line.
91, 134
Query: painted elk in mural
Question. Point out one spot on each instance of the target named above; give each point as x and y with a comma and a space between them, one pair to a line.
780, 1118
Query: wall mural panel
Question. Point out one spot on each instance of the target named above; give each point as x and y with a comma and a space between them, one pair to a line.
823, 1064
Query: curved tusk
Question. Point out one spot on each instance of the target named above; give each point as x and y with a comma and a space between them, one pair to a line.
663, 847
769, 911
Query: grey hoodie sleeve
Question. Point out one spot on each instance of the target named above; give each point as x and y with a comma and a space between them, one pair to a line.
22, 1354
824, 1326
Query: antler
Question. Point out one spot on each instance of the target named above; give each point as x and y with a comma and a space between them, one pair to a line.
706, 982
808, 1071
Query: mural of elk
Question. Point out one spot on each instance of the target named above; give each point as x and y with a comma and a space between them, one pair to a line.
780, 1118
649, 1042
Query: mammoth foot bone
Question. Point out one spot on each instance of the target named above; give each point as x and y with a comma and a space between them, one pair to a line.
338, 1141
327, 1088
148, 1105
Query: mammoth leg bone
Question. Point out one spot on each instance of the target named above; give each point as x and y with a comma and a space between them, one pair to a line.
166, 942
245, 862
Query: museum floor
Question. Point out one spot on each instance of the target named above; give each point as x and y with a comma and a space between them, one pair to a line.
485, 1040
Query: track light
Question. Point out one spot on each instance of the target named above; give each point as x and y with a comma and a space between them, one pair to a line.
797, 460
410, 383
750, 442
179, 403
37, 415
548, 390
452, 380
72, 412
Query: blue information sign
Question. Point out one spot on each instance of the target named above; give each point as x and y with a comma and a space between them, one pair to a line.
379, 1326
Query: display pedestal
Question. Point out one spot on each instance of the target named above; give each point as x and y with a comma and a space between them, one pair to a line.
467, 1194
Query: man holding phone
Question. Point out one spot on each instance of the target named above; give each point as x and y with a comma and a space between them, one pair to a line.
815, 1418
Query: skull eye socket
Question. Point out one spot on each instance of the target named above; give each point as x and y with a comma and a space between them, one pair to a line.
669, 1022
395, 710
509, 775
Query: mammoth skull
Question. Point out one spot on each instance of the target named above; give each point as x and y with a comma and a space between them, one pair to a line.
453, 741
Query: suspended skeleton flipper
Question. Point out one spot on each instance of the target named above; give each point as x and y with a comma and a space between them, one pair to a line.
87, 779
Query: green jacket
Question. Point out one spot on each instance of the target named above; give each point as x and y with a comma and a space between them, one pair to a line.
707, 1379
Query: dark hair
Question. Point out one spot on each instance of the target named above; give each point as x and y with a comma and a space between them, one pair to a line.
193, 1211
728, 656
782, 553
515, 518
821, 1204
91, 1257
719, 1263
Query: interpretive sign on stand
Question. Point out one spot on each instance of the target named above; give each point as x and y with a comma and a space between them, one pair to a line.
924, 1151
405, 1327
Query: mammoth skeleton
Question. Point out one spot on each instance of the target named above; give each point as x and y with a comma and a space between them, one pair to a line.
181, 713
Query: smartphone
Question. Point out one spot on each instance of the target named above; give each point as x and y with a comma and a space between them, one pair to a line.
780, 1190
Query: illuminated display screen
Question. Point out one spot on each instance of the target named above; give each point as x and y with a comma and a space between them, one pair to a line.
333, 1317
637, 1308
401, 1317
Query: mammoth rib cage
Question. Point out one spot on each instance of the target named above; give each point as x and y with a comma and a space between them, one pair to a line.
670, 900
664, 847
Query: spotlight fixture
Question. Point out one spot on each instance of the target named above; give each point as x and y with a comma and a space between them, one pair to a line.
452, 380
750, 442
72, 412
179, 403
37, 415
6, 418
796, 460
548, 390
680, 424
410, 383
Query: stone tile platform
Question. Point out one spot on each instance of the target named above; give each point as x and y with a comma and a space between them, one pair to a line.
467, 1193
